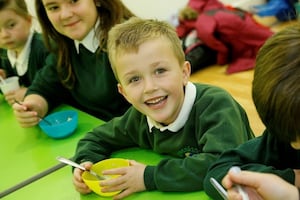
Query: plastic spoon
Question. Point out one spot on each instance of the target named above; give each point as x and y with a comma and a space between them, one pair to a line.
74, 164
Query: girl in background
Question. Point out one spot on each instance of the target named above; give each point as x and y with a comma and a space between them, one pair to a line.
22, 50
77, 72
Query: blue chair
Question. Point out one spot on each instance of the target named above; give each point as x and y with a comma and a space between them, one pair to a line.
284, 10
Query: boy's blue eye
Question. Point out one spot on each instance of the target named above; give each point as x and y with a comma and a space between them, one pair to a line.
134, 79
160, 70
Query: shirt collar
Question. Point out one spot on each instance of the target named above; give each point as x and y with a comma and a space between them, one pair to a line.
188, 102
91, 41
21, 62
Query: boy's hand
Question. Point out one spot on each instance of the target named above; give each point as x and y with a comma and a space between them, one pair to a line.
130, 181
78, 183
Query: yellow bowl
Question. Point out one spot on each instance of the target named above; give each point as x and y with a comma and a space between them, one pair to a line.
92, 182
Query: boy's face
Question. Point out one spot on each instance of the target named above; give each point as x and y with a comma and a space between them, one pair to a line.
152, 80
14, 30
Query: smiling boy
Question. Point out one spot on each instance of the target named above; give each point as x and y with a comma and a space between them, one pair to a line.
192, 123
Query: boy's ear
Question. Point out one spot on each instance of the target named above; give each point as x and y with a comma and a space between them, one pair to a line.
186, 72
121, 91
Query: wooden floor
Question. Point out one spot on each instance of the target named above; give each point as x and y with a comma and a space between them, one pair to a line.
239, 84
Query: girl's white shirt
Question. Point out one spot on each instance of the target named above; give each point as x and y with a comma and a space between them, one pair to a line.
188, 102
91, 41
20, 62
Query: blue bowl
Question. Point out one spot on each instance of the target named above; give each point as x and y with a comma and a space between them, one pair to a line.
60, 124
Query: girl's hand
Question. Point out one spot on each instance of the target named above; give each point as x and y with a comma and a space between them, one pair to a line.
18, 95
27, 112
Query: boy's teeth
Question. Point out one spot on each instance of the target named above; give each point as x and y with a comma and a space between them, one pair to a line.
155, 100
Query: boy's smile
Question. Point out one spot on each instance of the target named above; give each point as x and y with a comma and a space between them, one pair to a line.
157, 103
152, 80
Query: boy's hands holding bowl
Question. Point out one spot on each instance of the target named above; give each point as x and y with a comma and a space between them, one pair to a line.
124, 177
130, 181
78, 182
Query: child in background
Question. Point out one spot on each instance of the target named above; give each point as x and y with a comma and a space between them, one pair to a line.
78, 71
275, 94
22, 50
193, 123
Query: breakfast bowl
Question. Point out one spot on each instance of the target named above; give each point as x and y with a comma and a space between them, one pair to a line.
59, 124
93, 183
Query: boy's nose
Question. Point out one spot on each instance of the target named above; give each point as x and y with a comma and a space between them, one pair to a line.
150, 85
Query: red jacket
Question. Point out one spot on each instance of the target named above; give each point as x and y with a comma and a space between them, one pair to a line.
232, 33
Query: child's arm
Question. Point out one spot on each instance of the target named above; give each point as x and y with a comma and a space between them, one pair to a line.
260, 186
258, 154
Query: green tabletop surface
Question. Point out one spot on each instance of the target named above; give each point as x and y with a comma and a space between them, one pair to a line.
28, 152
25, 152
58, 185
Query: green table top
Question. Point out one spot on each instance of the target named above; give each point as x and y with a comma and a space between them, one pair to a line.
25, 152
58, 185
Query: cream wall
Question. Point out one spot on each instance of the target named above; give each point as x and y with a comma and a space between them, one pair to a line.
163, 9
159, 9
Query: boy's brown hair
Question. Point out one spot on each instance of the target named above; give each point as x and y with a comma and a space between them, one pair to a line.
276, 84
128, 36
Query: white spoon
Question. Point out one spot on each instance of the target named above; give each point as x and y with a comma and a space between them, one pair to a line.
74, 164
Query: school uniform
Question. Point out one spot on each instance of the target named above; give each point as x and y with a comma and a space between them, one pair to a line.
210, 121
28, 63
262, 154
95, 90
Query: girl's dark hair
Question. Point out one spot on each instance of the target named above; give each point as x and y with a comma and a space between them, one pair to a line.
110, 12
276, 88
